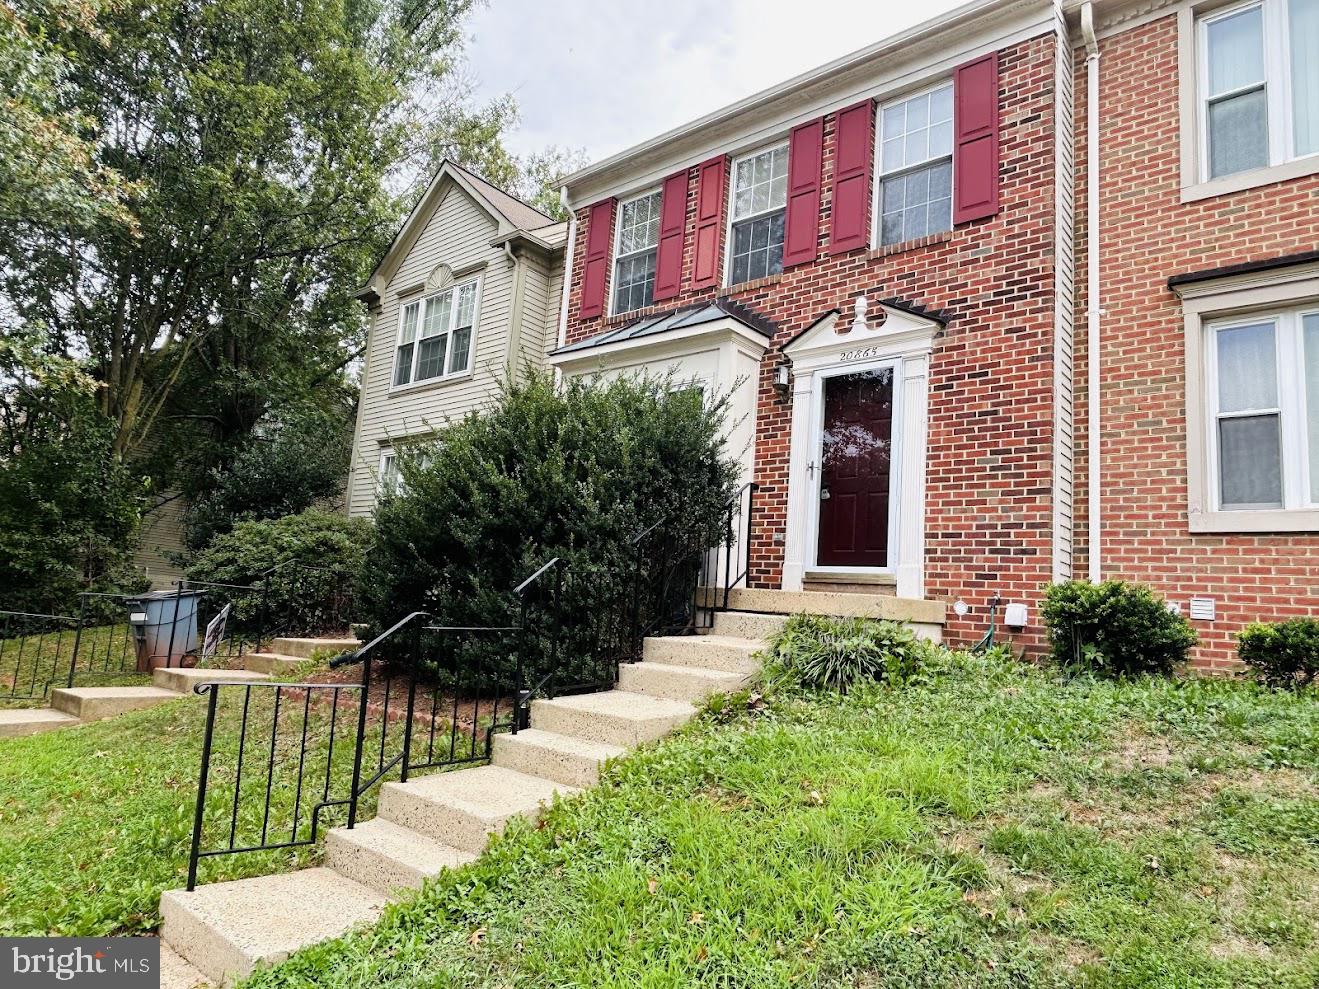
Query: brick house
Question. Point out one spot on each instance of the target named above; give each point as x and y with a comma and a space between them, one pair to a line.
892, 263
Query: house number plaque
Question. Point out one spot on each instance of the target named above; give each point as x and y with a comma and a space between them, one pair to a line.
860, 354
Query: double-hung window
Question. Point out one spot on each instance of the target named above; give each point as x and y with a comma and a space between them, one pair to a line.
760, 195
916, 166
638, 241
388, 479
435, 335
1264, 398
1259, 85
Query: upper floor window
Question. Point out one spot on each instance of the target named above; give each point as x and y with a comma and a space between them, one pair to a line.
1264, 398
435, 335
638, 241
760, 196
1259, 84
916, 166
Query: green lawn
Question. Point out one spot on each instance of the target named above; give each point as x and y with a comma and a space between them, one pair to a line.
29, 663
990, 825
95, 821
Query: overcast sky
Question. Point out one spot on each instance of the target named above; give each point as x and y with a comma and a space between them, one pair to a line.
605, 74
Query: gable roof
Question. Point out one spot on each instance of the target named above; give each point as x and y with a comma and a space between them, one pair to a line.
511, 216
522, 215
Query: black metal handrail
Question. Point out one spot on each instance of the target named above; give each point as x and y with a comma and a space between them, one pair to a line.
458, 685
423, 702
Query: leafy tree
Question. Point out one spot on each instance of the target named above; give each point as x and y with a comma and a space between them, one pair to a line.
542, 173
49, 172
270, 146
69, 509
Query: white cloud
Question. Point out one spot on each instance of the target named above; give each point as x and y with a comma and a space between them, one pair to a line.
605, 76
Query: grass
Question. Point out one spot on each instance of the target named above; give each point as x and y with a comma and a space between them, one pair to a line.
29, 663
988, 824
96, 821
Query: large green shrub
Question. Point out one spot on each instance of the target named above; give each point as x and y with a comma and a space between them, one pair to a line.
819, 651
570, 471
316, 557
1114, 628
1282, 654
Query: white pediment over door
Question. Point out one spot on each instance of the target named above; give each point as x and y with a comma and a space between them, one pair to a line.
867, 332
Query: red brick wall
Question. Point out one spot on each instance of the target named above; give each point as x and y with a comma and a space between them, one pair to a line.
989, 500
1146, 235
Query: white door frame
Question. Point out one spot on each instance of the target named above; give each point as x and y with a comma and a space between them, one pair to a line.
900, 340
815, 452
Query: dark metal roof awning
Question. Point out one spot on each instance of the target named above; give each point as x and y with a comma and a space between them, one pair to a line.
677, 319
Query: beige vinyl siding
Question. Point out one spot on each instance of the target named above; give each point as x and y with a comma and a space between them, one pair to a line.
161, 535
457, 234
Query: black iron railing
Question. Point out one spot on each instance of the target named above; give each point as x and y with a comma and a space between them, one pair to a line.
431, 697
427, 697
35, 652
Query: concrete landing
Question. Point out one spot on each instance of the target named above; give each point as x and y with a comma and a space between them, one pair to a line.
32, 720
97, 703
226, 929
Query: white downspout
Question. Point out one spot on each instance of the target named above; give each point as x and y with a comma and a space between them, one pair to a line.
1094, 309
567, 266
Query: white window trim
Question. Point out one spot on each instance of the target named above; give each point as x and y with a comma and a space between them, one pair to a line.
1212, 305
1193, 97
616, 257
420, 302
387, 454
877, 181
731, 191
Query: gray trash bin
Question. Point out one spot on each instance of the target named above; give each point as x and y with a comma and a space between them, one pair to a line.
164, 628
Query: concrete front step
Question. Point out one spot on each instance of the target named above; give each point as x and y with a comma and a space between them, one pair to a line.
272, 664
225, 930
303, 648
678, 683
747, 625
388, 857
836, 603
181, 679
561, 758
96, 703
176, 973
32, 720
709, 652
463, 808
615, 717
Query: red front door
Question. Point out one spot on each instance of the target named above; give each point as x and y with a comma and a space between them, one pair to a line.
854, 469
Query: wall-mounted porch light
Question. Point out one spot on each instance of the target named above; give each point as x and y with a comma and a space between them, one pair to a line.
781, 379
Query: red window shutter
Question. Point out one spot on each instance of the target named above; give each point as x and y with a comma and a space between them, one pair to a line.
975, 139
801, 221
599, 235
849, 217
712, 178
673, 222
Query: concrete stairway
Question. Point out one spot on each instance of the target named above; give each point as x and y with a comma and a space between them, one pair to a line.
72, 706
444, 820
286, 655
223, 931
77, 705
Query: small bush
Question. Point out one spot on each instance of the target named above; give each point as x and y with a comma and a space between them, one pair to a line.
1282, 654
1115, 628
817, 651
300, 601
